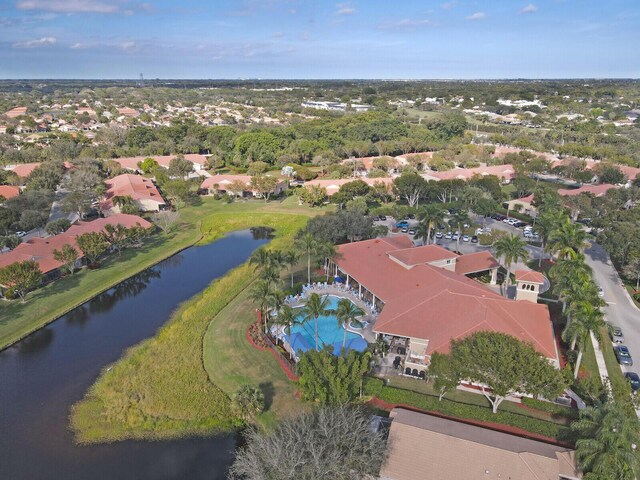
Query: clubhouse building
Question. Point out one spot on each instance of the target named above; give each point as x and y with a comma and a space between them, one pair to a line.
428, 295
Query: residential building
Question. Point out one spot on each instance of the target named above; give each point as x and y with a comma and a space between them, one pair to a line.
132, 163
9, 191
427, 297
221, 183
334, 185
16, 112
41, 249
427, 447
142, 191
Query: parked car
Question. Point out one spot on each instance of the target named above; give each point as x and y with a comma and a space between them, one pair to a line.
448, 236
411, 216
479, 231
383, 218
439, 235
623, 355
376, 218
634, 379
465, 238
20, 234
412, 231
616, 335
474, 239
600, 292
402, 224
520, 224
441, 227
404, 230
455, 236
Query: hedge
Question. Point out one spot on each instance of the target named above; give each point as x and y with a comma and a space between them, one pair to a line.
375, 387
514, 214
552, 408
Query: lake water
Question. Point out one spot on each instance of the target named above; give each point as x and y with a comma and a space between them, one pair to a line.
47, 372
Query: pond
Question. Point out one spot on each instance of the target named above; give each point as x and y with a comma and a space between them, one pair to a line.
47, 372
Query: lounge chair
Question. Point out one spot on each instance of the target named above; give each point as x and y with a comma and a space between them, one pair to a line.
407, 371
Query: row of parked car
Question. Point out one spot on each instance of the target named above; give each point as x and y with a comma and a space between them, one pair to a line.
623, 355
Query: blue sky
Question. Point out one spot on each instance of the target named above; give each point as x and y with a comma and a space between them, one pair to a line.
319, 39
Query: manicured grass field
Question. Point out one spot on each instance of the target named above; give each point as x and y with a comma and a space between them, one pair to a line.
160, 388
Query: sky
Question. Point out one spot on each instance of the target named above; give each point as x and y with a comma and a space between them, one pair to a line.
301, 39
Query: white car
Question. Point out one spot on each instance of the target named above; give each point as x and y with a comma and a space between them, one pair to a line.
479, 231
439, 235
600, 292
455, 236
465, 238
20, 234
448, 236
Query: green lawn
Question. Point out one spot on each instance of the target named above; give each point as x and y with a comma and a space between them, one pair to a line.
160, 388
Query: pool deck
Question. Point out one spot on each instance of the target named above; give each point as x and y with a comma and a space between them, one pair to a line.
340, 290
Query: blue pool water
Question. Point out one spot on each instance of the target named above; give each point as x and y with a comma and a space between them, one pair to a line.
329, 332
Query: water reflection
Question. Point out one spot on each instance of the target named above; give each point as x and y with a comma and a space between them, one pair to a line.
37, 341
127, 289
262, 233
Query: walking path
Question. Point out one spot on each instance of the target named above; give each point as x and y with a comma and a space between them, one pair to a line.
602, 366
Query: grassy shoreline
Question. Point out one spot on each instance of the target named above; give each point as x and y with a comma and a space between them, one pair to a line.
160, 388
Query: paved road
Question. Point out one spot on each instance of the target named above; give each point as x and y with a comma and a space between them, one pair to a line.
620, 310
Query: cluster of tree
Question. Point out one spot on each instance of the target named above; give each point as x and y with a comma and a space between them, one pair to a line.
501, 364
328, 443
351, 223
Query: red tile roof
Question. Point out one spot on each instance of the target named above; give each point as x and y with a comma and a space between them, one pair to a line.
24, 169
16, 112
435, 304
503, 172
475, 262
530, 276
131, 163
135, 186
41, 249
334, 185
222, 180
595, 190
419, 255
9, 191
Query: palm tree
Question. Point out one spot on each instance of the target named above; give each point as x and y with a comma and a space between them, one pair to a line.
307, 244
546, 223
608, 440
260, 258
512, 248
260, 293
459, 219
586, 319
430, 216
288, 317
316, 307
347, 314
570, 275
290, 259
567, 240
275, 301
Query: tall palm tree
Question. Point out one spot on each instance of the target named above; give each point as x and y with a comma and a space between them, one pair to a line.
569, 276
430, 216
275, 301
347, 314
512, 248
608, 442
260, 258
567, 240
459, 218
260, 293
290, 259
316, 307
586, 319
307, 244
288, 317
546, 223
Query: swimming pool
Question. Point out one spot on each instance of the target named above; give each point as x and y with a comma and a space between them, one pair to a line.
329, 333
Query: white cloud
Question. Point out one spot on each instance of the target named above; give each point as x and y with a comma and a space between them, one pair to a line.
345, 9
128, 46
529, 9
449, 5
477, 16
406, 24
68, 6
40, 42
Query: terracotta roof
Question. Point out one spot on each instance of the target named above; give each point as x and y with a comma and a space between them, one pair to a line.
419, 255
595, 190
9, 191
530, 276
436, 304
16, 112
475, 262
222, 180
41, 249
504, 172
334, 185
366, 161
24, 169
426, 447
131, 163
135, 186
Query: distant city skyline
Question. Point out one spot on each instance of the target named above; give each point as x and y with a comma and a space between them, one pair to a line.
298, 39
